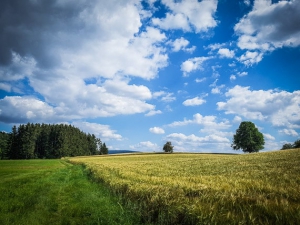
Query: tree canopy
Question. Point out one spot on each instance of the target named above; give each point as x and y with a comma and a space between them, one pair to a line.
168, 147
291, 146
248, 138
103, 149
30, 141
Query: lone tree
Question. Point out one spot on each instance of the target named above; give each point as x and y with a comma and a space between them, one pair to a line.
248, 138
168, 147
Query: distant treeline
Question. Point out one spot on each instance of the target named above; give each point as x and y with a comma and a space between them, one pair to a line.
32, 141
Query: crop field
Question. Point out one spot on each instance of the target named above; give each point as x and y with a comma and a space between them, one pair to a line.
258, 188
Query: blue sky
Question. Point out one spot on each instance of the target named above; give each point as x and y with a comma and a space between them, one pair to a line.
140, 73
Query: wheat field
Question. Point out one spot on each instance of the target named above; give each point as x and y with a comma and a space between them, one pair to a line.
258, 188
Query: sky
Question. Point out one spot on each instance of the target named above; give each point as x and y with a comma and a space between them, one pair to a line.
140, 73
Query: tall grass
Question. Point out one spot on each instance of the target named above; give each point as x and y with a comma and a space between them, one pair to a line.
55, 192
259, 188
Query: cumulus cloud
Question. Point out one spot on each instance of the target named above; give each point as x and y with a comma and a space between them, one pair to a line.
249, 58
242, 74
232, 77
226, 53
194, 138
269, 26
16, 109
173, 21
194, 101
192, 64
104, 132
209, 143
290, 132
281, 108
181, 44
188, 15
269, 137
237, 119
153, 112
206, 121
156, 130
78, 65
145, 146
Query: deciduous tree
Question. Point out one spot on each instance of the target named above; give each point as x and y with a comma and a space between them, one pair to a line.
168, 147
248, 138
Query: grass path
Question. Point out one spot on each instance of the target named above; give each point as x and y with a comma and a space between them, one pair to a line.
55, 192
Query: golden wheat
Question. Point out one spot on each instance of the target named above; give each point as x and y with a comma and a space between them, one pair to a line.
260, 188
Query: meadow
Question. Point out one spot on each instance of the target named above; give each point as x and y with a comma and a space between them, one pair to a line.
257, 188
56, 192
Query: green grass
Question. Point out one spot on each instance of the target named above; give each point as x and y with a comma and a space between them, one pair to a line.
55, 192
258, 188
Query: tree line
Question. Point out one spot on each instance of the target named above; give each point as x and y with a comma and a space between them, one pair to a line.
33, 141
296, 144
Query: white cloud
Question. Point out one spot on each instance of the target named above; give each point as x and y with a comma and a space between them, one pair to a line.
206, 121
164, 96
103, 131
269, 137
190, 143
215, 46
80, 72
232, 77
173, 21
153, 112
265, 29
188, 15
168, 97
242, 74
194, 138
197, 80
26, 109
217, 90
290, 132
122, 88
156, 130
5, 87
281, 108
226, 53
247, 2
181, 44
192, 64
237, 119
145, 146
194, 101
19, 68
250, 58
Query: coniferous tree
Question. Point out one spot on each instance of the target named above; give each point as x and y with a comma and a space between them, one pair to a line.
49, 141
4, 138
103, 149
